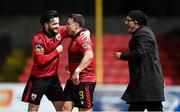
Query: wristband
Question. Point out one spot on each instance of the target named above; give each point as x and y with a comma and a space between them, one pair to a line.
78, 70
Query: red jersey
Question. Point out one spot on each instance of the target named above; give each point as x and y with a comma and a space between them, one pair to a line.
76, 51
46, 62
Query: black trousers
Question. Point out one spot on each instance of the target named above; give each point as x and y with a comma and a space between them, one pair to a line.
150, 106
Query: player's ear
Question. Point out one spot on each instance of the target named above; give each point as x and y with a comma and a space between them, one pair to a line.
77, 25
45, 25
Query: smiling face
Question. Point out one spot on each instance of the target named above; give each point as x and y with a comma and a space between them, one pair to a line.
131, 24
52, 25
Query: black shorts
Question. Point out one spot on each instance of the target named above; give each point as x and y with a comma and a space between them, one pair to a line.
81, 94
36, 87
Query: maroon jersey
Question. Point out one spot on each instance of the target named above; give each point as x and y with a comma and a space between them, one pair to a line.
76, 50
46, 61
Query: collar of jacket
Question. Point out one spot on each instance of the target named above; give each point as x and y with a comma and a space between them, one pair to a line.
137, 29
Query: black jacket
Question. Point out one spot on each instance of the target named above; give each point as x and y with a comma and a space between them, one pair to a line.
146, 77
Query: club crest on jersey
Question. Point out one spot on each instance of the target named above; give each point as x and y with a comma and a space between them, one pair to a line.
58, 36
33, 96
85, 45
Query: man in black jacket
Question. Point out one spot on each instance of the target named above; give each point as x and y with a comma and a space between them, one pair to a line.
146, 87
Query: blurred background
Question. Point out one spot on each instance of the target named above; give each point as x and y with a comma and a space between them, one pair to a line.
19, 21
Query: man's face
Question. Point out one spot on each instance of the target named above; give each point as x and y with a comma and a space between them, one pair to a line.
53, 25
130, 24
71, 26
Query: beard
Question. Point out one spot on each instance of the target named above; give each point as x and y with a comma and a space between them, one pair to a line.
70, 32
53, 33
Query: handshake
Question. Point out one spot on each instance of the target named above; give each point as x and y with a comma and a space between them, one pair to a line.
59, 48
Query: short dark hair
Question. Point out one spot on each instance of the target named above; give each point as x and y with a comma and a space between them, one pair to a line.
48, 15
77, 18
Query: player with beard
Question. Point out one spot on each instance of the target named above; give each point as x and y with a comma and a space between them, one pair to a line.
46, 46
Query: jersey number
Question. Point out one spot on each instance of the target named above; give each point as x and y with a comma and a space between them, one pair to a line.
81, 95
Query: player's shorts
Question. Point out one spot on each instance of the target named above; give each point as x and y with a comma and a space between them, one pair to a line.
81, 94
36, 87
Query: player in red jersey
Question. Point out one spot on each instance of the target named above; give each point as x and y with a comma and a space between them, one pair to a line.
46, 46
80, 87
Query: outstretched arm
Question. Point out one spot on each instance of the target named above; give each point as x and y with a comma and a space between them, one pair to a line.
85, 34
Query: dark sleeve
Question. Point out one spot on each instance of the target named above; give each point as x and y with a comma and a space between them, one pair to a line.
38, 51
144, 43
42, 58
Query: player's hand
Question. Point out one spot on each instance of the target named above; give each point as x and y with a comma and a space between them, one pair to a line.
117, 55
59, 48
75, 78
85, 35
